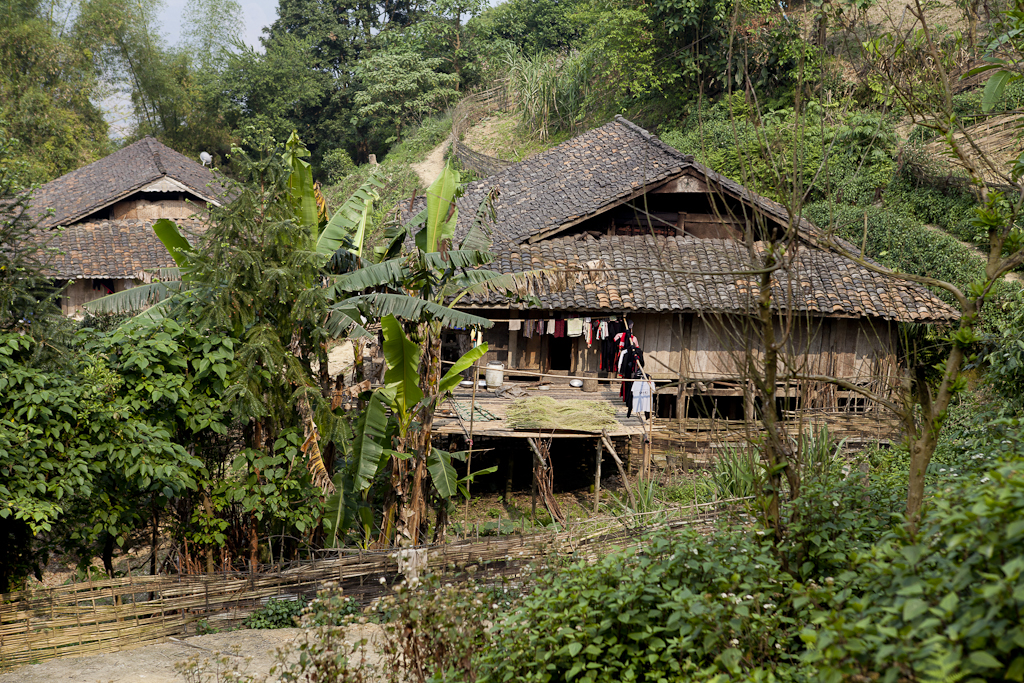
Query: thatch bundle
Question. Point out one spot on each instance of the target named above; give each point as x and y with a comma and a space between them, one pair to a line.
542, 413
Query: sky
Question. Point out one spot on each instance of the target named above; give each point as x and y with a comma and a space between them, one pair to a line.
256, 14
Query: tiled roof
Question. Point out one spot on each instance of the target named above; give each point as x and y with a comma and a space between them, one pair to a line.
114, 249
597, 170
647, 273
79, 193
574, 180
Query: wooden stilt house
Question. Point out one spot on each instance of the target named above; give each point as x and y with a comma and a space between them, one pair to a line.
682, 247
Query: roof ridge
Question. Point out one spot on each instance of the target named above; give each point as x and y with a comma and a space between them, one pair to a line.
155, 151
651, 137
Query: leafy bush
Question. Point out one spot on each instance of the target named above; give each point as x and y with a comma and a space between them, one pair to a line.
685, 605
277, 613
948, 597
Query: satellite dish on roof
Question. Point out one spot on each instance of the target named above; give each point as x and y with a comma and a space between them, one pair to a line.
205, 158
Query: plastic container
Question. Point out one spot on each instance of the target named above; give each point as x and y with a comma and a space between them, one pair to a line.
495, 374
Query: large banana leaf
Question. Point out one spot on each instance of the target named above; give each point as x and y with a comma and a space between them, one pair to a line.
368, 451
453, 376
528, 283
440, 196
349, 223
391, 272
461, 258
167, 232
135, 299
380, 304
403, 360
336, 511
478, 238
446, 481
300, 185
344, 320
396, 234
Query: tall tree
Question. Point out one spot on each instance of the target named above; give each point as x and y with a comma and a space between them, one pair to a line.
48, 85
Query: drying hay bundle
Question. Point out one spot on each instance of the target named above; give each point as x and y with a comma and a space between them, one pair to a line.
544, 413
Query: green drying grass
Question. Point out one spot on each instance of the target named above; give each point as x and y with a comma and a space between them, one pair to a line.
547, 413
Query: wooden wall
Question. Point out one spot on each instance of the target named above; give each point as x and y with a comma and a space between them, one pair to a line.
149, 209
711, 348
82, 291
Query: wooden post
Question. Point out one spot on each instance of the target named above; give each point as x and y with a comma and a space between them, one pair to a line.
618, 463
597, 478
533, 497
509, 464
513, 343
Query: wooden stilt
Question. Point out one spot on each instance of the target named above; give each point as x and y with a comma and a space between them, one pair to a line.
597, 477
622, 471
544, 478
509, 463
533, 497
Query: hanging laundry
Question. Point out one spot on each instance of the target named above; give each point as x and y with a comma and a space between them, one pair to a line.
642, 392
551, 326
528, 328
514, 325
574, 327
559, 328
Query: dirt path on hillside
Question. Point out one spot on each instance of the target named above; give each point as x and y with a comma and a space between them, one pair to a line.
251, 652
431, 167
1013, 277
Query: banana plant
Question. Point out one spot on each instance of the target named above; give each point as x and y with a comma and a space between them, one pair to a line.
418, 279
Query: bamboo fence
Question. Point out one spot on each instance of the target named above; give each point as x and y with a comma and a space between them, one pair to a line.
466, 113
122, 613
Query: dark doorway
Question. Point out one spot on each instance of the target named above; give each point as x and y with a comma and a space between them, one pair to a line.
560, 353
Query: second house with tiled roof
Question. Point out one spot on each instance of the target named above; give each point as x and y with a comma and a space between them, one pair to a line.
104, 213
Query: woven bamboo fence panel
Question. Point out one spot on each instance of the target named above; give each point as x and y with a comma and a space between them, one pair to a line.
122, 613
466, 113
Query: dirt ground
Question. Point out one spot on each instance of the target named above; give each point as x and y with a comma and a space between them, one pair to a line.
250, 652
430, 168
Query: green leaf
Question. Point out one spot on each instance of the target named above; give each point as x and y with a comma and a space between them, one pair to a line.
914, 608
439, 464
369, 446
179, 247
452, 378
300, 184
403, 360
994, 89
382, 304
440, 195
392, 272
985, 660
348, 224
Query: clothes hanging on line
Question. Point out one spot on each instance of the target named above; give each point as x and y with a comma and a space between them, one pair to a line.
514, 325
574, 327
642, 393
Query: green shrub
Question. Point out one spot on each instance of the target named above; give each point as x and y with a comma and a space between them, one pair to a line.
951, 594
276, 614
